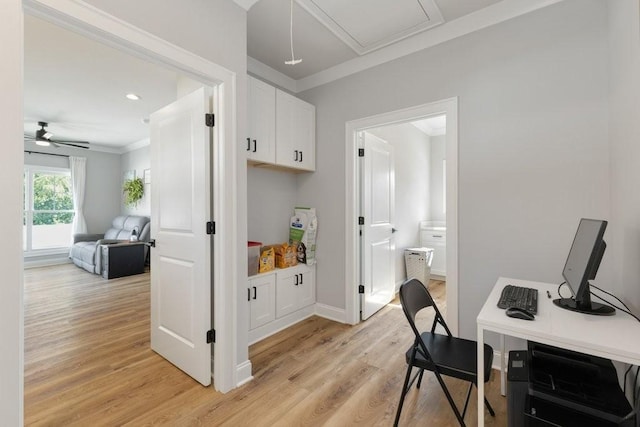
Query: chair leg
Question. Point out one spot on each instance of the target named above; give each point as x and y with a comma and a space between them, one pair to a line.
420, 378
450, 399
405, 388
488, 405
466, 401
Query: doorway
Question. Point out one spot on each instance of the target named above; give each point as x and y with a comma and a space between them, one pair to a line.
102, 27
354, 200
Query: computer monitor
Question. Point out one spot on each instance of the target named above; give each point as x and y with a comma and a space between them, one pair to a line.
582, 265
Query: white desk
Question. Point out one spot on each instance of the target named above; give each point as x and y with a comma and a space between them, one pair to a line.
612, 337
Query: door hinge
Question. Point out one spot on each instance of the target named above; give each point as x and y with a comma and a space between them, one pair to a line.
211, 336
361, 289
210, 120
360, 152
211, 227
360, 220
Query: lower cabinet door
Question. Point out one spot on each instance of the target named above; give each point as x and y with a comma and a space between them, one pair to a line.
306, 287
262, 300
287, 283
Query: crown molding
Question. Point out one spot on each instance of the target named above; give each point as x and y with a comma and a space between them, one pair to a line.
483, 18
272, 75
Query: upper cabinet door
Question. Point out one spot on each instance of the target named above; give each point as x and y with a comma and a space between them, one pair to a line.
295, 132
261, 107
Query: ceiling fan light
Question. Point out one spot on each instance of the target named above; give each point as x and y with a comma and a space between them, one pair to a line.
132, 96
43, 143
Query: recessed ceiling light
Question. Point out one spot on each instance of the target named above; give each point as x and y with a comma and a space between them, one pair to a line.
132, 96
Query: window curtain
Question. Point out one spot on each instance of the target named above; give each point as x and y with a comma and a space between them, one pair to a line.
78, 166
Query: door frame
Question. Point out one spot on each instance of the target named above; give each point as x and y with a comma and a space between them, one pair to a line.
352, 200
95, 24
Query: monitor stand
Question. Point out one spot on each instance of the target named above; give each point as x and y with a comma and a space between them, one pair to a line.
593, 308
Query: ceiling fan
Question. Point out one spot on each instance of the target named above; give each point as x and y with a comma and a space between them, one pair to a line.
43, 138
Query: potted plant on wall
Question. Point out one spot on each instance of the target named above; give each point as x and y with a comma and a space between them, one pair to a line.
133, 190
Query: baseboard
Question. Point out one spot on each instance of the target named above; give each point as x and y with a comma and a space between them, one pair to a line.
243, 373
495, 364
331, 313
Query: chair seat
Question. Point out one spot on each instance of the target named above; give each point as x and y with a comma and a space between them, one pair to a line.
455, 357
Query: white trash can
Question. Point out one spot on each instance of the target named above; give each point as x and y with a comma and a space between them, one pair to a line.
418, 263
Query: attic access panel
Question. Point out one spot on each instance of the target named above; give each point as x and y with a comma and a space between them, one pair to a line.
367, 25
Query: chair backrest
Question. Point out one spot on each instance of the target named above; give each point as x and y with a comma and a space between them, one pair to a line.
123, 225
414, 297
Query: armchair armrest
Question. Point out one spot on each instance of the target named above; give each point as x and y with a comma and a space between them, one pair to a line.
85, 237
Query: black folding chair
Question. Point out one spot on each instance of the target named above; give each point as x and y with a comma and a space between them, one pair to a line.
442, 354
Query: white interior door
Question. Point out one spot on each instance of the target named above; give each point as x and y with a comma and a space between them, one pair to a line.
378, 205
181, 260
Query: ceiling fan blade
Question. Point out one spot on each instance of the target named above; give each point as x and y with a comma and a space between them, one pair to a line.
68, 144
29, 137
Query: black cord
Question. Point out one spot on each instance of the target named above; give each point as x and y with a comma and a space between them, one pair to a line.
624, 389
616, 307
560, 286
608, 293
635, 390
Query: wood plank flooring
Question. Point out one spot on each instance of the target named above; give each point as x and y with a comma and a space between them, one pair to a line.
88, 362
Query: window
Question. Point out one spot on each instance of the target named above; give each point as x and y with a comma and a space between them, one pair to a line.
48, 209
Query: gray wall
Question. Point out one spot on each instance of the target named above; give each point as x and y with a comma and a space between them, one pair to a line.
411, 157
102, 194
623, 235
533, 151
136, 160
272, 196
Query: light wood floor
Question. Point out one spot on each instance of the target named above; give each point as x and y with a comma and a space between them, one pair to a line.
88, 363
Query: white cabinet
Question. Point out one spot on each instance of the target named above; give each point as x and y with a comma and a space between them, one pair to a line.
261, 108
295, 289
279, 299
436, 238
282, 128
295, 132
262, 299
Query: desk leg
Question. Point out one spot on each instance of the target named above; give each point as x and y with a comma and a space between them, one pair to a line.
503, 368
480, 376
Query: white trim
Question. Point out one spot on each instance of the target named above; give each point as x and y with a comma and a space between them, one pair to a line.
273, 76
96, 24
483, 18
243, 373
495, 364
275, 326
331, 313
47, 262
448, 107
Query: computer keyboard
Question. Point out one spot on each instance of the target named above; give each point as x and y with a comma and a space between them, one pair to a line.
519, 296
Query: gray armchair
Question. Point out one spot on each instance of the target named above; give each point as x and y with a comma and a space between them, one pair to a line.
86, 251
